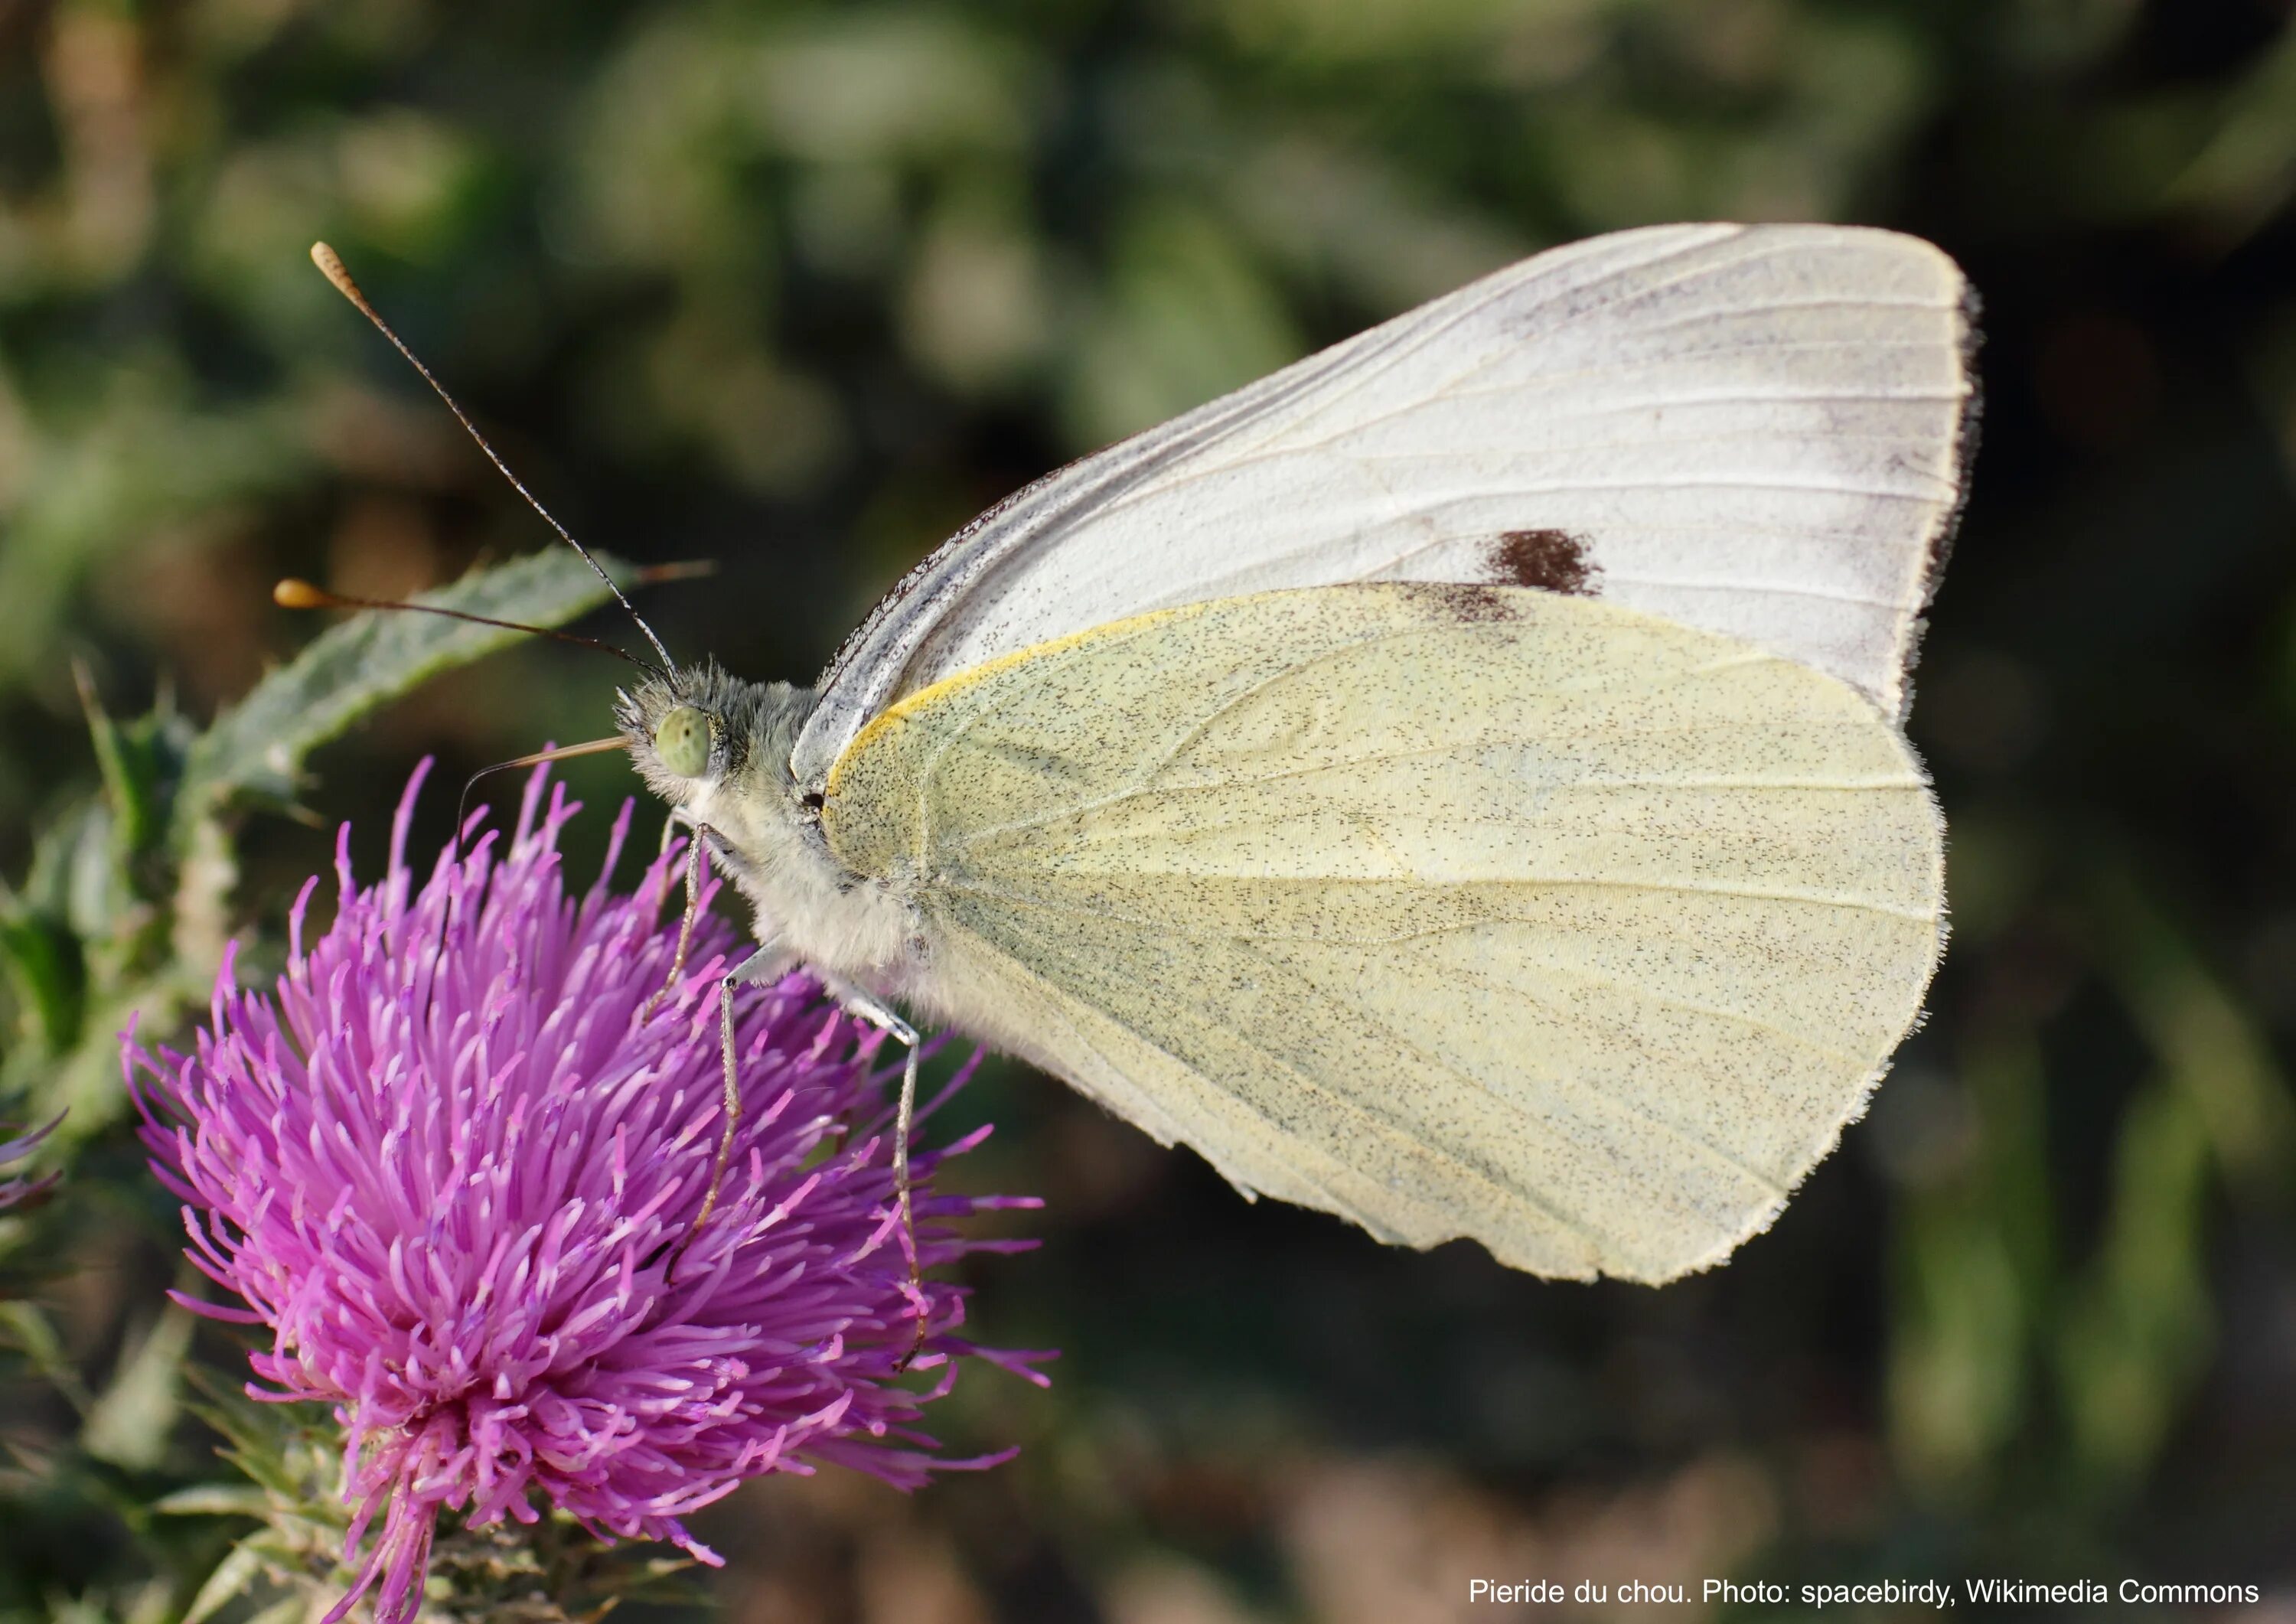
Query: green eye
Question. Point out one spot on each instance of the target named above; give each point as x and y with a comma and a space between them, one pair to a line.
682, 740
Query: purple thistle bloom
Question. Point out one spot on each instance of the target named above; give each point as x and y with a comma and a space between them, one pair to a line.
14, 1190
454, 1163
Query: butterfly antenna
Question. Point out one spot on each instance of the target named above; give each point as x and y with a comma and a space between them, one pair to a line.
331, 267
292, 593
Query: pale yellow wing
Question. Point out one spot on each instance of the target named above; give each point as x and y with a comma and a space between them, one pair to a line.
1453, 910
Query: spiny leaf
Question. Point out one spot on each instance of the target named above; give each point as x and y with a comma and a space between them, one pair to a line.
138, 759
233, 1578
84, 1084
46, 969
257, 747
293, 1450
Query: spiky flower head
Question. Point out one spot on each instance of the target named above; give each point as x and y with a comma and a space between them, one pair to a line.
453, 1160
14, 1190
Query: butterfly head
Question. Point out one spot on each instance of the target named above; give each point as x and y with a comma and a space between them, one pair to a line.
699, 736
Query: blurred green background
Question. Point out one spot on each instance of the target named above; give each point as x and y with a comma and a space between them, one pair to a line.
800, 287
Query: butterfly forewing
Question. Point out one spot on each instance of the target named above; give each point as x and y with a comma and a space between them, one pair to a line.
1757, 430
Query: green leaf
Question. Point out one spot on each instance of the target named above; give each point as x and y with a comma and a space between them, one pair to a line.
2207, 1043
1975, 1263
83, 1084
256, 748
137, 761
215, 1500
233, 1578
28, 1329
2137, 1336
46, 968
278, 1445
133, 1421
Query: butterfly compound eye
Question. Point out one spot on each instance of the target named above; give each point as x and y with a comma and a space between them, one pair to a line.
682, 740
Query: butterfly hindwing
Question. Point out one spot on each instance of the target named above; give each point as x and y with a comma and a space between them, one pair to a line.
1474, 911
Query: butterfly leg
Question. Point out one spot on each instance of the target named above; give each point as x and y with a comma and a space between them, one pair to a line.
862, 1006
766, 964
693, 907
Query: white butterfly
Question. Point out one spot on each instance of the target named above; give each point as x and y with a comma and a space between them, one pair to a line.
1457, 782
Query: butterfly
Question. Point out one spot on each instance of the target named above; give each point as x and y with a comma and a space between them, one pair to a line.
1458, 782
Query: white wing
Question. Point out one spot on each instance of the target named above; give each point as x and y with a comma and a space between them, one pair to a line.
1453, 910
1753, 430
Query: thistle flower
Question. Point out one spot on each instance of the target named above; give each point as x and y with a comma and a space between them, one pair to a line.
14, 1190
454, 1163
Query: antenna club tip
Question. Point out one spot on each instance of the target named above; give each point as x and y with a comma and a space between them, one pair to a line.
330, 265
292, 593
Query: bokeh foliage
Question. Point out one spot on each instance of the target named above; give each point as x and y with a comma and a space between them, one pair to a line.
799, 287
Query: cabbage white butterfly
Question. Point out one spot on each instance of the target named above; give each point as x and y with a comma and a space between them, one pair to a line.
1457, 782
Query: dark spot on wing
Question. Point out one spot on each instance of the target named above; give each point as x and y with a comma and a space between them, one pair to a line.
1553, 561
1475, 605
